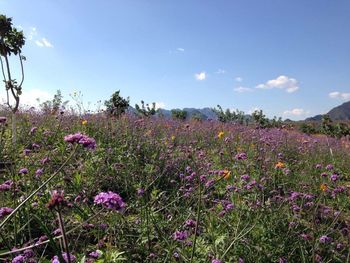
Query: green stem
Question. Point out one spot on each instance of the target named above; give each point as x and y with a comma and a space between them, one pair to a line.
37, 190
197, 219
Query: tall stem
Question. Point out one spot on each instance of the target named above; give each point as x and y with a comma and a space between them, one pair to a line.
64, 237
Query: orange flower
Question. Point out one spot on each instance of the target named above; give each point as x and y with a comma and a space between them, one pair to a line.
226, 174
324, 187
221, 134
279, 165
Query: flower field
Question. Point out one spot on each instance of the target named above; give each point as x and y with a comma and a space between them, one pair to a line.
128, 189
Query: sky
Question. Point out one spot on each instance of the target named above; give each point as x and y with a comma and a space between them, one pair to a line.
289, 58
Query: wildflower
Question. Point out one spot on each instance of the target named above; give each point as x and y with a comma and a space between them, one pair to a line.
23, 171
209, 183
110, 200
325, 239
4, 211
330, 167
172, 137
334, 177
95, 254
65, 257
3, 120
216, 260
19, 259
245, 177
226, 174
39, 172
323, 187
140, 191
241, 156
190, 223
79, 138
33, 130
280, 165
6, 185
221, 134
57, 200
26, 152
180, 235
84, 122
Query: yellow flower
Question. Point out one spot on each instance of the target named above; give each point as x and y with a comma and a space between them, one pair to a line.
226, 174
172, 137
324, 187
221, 134
280, 165
84, 122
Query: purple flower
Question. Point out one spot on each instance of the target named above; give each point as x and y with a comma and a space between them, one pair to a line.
334, 177
241, 156
57, 200
6, 185
4, 211
23, 171
95, 254
330, 167
245, 177
39, 172
82, 139
19, 259
190, 223
216, 260
33, 130
3, 120
140, 191
180, 235
318, 166
26, 152
110, 200
325, 239
65, 257
209, 183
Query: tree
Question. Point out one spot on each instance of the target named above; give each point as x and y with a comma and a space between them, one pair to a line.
146, 110
54, 105
11, 43
179, 114
116, 105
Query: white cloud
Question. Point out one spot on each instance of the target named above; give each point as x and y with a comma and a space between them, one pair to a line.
180, 49
220, 71
295, 112
238, 79
160, 105
253, 110
200, 76
29, 97
339, 95
282, 82
32, 33
43, 43
242, 89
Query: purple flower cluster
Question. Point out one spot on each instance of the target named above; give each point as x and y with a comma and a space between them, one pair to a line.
65, 257
6, 185
110, 200
82, 139
4, 211
57, 200
180, 235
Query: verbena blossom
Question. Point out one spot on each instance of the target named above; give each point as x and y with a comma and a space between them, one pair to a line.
57, 200
110, 200
180, 235
4, 211
19, 259
65, 257
6, 185
23, 171
82, 139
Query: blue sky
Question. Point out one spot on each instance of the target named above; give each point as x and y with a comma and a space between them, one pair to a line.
289, 58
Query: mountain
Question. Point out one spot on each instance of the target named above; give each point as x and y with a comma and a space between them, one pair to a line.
339, 113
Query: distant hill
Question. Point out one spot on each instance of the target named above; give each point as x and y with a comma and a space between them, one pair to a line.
339, 113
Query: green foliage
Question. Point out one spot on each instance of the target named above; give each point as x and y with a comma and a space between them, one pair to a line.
146, 110
179, 114
116, 105
11, 43
236, 116
55, 105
